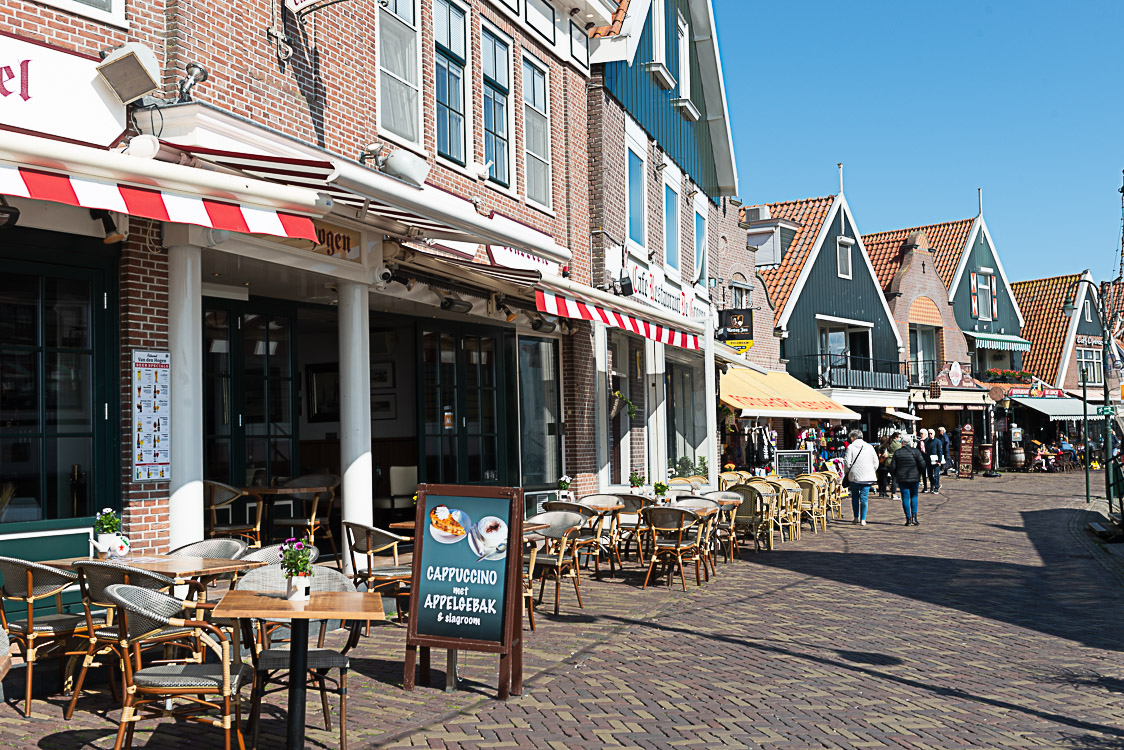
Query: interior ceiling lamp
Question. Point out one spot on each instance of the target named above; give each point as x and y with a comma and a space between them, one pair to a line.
130, 71
9, 215
112, 236
453, 303
196, 73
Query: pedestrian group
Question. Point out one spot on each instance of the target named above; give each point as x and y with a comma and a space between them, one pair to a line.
900, 464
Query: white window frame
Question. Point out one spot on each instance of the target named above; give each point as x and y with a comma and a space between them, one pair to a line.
113, 17
843, 249
637, 142
683, 40
466, 93
659, 27
543, 68
512, 167
1091, 359
384, 132
983, 302
700, 209
621, 342
741, 295
673, 180
1088, 312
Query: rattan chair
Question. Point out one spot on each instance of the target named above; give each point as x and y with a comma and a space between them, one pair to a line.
94, 576
316, 509
772, 498
149, 690
754, 517
724, 527
270, 659
629, 529
559, 556
698, 482
707, 537
675, 533
728, 479
788, 506
217, 495
369, 541
24, 584
813, 500
609, 537
587, 541
834, 495
224, 549
680, 482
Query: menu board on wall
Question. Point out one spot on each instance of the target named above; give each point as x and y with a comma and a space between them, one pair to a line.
152, 416
791, 464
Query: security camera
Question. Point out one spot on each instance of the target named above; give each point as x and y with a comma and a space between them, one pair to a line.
383, 275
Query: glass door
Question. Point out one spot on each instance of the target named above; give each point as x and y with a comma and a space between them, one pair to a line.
541, 404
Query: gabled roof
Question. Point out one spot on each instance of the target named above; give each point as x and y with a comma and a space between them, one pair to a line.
947, 241
1047, 326
810, 213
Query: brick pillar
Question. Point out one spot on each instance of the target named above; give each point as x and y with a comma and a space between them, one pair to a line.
579, 374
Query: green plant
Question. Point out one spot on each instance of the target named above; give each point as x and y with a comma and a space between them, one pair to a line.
564, 482
701, 467
636, 479
661, 488
107, 522
683, 467
296, 557
628, 404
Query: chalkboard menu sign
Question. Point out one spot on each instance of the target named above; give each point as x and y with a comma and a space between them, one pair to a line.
964, 468
791, 464
466, 585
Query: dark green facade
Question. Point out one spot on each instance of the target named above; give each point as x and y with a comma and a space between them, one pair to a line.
982, 255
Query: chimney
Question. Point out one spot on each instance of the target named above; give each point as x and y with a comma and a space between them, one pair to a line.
915, 241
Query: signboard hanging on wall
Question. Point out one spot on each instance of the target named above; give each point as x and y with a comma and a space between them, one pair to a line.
735, 327
152, 416
466, 588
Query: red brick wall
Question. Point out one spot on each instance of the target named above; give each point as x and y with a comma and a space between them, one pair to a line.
916, 278
143, 275
579, 376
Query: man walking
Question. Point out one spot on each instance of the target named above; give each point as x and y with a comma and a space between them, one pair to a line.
934, 451
942, 435
922, 443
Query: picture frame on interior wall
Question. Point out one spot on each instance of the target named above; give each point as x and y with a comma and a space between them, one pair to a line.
323, 392
382, 375
384, 406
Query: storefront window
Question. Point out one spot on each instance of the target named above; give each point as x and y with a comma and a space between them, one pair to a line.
540, 396
619, 428
686, 422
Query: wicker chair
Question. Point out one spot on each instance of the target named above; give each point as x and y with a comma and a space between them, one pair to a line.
587, 541
629, 529
788, 506
609, 539
218, 495
559, 557
754, 517
680, 482
317, 506
369, 541
269, 660
94, 576
225, 549
728, 479
676, 534
698, 482
148, 690
24, 584
707, 536
813, 500
834, 495
774, 498
724, 527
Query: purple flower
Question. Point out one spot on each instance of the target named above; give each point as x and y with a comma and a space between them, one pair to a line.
300, 545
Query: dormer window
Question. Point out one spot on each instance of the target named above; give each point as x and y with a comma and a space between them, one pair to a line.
843, 247
985, 302
1088, 312
658, 66
683, 102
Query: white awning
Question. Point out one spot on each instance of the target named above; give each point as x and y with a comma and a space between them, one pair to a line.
902, 415
1059, 409
1000, 341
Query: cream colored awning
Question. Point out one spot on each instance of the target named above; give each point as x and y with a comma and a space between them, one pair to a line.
777, 394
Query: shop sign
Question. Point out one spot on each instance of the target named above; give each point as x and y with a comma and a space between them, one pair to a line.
42, 87
736, 328
975, 407
655, 289
956, 374
152, 411
514, 257
964, 467
791, 464
1035, 391
466, 586
1085, 340
930, 407
337, 242
1016, 434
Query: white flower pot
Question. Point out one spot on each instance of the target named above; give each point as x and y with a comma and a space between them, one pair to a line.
299, 588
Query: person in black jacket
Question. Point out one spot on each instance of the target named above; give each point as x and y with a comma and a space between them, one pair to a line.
935, 454
907, 467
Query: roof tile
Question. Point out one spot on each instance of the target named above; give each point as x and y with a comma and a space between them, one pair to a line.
615, 27
1047, 324
946, 242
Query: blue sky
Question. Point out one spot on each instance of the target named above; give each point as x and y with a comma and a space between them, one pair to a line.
925, 102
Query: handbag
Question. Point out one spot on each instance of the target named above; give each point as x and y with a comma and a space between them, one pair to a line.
847, 476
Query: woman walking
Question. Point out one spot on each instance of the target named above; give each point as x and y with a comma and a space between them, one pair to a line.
908, 466
861, 470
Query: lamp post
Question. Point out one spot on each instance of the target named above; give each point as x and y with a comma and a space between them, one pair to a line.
1085, 421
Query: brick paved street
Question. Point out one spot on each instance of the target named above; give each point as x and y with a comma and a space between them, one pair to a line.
996, 623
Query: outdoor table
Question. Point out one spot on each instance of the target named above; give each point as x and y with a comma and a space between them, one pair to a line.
179, 569
241, 604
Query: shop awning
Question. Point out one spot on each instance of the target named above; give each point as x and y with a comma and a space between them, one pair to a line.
1002, 342
777, 394
1058, 409
49, 170
902, 415
616, 312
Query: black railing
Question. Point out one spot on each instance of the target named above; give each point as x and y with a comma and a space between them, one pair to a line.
848, 371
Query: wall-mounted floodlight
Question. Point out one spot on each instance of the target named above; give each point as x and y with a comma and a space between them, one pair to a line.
130, 71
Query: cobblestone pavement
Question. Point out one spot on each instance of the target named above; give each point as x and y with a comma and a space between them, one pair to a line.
996, 623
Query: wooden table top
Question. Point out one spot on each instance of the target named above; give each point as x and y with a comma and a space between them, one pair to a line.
173, 566
322, 605
266, 492
603, 508
724, 502
527, 527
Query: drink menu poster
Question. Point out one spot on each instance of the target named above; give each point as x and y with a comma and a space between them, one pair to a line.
152, 412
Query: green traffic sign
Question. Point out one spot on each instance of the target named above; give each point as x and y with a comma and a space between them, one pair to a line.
1106, 411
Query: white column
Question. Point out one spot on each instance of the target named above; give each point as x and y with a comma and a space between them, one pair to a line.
710, 402
655, 366
185, 342
357, 486
600, 400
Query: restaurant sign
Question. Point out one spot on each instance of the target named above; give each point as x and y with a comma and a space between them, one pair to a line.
42, 87
337, 242
1085, 340
1035, 391
736, 328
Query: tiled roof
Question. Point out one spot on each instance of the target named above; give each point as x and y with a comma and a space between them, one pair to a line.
618, 21
810, 213
946, 242
1041, 302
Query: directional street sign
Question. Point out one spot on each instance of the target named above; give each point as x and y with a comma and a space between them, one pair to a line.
1106, 411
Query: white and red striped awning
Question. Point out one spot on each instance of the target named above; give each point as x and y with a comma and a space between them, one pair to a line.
152, 203
580, 307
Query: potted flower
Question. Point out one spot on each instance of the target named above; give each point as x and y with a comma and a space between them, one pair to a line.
564, 487
660, 488
296, 561
109, 541
636, 480
619, 400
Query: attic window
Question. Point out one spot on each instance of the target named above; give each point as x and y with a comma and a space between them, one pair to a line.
843, 257
658, 66
1088, 312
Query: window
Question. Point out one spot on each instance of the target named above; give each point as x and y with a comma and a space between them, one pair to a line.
700, 248
1090, 360
1088, 312
107, 11
671, 228
659, 32
497, 82
843, 257
740, 296
619, 423
399, 105
541, 404
536, 128
983, 296
686, 420
635, 197
449, 61
684, 40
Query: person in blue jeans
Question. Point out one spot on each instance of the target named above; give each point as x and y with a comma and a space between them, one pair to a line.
860, 468
908, 466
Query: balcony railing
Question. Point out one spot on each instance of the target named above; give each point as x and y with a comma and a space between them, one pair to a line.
847, 371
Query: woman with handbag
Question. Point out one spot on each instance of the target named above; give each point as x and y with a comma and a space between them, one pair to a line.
860, 472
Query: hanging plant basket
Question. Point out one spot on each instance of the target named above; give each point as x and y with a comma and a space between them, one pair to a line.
615, 405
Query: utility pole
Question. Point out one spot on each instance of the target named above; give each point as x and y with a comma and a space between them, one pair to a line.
1085, 421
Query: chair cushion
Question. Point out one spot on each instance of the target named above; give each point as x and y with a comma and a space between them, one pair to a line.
291, 521
54, 623
113, 634
208, 676
234, 527
318, 658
